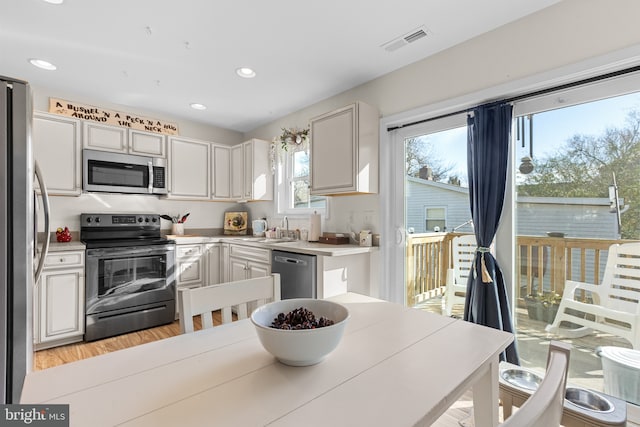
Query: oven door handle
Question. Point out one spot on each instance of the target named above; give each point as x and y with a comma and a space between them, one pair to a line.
128, 251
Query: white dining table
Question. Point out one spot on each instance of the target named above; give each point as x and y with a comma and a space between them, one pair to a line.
395, 366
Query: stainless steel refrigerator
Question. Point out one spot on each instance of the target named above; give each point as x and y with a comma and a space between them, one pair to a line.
19, 247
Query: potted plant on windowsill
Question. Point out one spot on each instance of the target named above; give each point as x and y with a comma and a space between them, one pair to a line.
543, 306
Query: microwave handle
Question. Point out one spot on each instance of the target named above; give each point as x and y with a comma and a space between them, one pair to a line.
150, 166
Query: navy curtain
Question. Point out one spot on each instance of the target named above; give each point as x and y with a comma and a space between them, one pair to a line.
488, 135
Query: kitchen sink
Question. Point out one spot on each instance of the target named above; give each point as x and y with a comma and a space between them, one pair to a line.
275, 240
266, 240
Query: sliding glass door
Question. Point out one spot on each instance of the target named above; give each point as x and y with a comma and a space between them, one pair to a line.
572, 192
577, 183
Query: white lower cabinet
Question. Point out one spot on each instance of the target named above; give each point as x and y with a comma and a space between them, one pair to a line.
197, 265
210, 263
247, 262
189, 265
59, 300
212, 253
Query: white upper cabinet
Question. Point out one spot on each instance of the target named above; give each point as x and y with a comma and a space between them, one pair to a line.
58, 151
221, 174
237, 172
189, 169
122, 140
147, 143
261, 177
344, 151
105, 138
251, 177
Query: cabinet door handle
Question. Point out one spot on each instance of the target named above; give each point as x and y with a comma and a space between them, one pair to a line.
61, 259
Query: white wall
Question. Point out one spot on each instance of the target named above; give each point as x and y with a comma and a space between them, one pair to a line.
65, 211
569, 32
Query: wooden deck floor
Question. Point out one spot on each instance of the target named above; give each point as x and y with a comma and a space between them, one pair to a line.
585, 367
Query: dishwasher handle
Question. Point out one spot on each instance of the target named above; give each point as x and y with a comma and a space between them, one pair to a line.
288, 260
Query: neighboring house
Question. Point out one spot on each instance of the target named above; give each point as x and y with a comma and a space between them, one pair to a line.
574, 216
427, 200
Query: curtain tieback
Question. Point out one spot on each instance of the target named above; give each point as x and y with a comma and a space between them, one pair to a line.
486, 277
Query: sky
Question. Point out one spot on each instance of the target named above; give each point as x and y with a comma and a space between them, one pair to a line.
551, 130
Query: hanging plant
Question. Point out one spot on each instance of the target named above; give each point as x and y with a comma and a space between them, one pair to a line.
292, 136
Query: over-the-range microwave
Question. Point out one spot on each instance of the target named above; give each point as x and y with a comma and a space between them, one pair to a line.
123, 173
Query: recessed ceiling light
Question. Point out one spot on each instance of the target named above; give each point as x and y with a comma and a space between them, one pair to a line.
246, 72
54, 1
197, 106
45, 65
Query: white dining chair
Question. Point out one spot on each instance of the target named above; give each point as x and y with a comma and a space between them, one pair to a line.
544, 407
463, 250
240, 294
615, 306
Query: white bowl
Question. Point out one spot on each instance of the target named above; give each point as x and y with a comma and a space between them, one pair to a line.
301, 347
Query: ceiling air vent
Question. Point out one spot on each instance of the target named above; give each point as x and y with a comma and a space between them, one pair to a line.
404, 40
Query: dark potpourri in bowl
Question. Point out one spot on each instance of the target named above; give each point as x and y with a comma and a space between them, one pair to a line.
300, 318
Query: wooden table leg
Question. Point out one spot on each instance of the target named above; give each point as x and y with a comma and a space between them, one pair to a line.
485, 397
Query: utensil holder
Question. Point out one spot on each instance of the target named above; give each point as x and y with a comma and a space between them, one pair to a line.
177, 229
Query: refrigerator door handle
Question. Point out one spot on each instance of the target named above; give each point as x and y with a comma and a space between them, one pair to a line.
45, 207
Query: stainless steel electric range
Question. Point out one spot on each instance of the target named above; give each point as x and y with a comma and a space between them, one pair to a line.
130, 274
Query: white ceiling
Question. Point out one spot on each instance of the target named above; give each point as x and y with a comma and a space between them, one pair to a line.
160, 55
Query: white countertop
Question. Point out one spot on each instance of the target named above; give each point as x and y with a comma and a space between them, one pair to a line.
297, 246
395, 366
73, 245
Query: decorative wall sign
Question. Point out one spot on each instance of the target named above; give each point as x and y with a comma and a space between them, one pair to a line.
110, 117
235, 223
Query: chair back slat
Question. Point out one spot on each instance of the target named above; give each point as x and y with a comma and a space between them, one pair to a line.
621, 281
545, 406
203, 301
464, 250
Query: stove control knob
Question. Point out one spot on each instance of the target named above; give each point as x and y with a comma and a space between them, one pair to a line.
139, 219
146, 220
89, 220
97, 219
154, 219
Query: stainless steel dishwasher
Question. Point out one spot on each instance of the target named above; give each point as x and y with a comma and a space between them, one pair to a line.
297, 274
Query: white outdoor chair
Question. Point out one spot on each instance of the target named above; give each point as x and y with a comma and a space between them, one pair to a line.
203, 301
545, 406
616, 302
463, 249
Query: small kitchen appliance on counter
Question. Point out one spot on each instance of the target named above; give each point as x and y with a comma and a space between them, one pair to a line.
130, 274
259, 226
